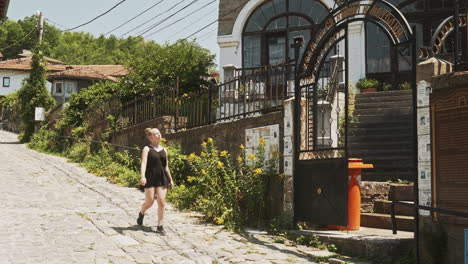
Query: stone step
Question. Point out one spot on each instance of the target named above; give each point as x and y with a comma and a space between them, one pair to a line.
382, 111
368, 243
401, 192
381, 123
384, 207
385, 94
384, 221
379, 152
388, 99
380, 130
392, 137
385, 118
387, 105
404, 145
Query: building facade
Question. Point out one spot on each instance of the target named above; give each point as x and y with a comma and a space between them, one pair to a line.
259, 32
14, 71
77, 77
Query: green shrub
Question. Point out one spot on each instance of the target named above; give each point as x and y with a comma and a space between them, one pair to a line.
99, 160
367, 84
78, 151
46, 140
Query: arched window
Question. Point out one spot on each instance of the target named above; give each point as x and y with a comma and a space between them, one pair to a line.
271, 28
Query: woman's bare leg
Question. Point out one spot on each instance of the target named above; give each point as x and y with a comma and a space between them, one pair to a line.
161, 199
149, 200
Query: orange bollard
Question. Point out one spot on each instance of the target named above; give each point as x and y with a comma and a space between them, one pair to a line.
355, 167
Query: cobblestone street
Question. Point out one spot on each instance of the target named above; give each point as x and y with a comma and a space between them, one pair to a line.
52, 211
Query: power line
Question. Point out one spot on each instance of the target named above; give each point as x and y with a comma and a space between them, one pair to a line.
205, 36
200, 30
193, 22
18, 41
164, 19
133, 18
177, 21
55, 23
203, 28
94, 19
151, 19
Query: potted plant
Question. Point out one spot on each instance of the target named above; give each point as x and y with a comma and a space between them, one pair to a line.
387, 87
367, 85
405, 86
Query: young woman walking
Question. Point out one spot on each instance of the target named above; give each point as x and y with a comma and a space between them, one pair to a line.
155, 176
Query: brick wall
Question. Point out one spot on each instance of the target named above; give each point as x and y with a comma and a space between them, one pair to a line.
226, 23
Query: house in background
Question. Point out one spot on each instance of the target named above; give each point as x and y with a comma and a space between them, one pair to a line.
77, 77
14, 71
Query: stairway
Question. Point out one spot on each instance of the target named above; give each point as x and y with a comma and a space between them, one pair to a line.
382, 134
379, 215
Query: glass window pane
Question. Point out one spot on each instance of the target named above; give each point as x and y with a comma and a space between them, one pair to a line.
436, 4
450, 3
276, 50
417, 6
256, 22
251, 51
378, 49
277, 24
264, 13
404, 58
58, 88
296, 21
279, 6
313, 9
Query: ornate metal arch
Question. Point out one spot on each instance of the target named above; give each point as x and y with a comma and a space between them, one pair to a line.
440, 36
380, 12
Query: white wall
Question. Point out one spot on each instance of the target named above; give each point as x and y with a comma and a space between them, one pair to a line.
16, 79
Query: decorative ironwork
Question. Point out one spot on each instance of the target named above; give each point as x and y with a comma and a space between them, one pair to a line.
440, 35
321, 124
380, 12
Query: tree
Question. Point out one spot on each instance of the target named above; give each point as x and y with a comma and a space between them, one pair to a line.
155, 66
33, 93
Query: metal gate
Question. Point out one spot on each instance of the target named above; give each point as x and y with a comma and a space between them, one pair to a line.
322, 109
321, 162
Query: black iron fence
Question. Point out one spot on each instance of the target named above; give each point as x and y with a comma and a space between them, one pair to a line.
250, 92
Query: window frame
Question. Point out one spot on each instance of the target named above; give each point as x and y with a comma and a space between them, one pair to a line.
55, 87
9, 81
264, 33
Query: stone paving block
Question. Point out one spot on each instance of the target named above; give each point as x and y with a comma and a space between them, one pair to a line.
76, 217
123, 241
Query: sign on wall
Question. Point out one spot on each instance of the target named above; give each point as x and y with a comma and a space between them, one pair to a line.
39, 114
270, 134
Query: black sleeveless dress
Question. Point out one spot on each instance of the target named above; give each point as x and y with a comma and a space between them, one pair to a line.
155, 168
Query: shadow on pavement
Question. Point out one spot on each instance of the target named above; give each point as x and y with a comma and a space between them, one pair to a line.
12, 143
271, 246
121, 230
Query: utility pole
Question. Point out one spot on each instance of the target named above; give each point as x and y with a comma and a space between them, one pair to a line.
40, 26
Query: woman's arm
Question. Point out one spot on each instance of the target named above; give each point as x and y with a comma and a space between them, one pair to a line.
144, 157
168, 171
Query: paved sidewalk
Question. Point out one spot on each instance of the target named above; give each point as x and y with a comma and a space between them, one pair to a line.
52, 211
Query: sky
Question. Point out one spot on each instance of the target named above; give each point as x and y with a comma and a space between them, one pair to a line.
70, 13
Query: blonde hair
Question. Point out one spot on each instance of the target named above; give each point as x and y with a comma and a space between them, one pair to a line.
151, 131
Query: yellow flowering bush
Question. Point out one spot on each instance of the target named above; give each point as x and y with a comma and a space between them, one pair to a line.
228, 191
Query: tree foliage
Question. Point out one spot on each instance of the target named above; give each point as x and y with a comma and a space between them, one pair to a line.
34, 93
